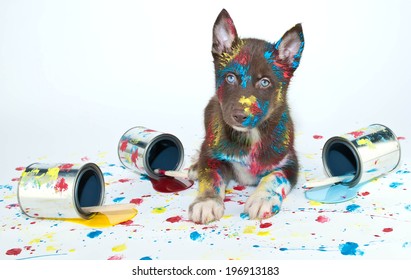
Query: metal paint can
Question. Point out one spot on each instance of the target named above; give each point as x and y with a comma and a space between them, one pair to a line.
60, 190
366, 153
144, 150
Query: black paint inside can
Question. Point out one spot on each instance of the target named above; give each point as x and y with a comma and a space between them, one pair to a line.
89, 191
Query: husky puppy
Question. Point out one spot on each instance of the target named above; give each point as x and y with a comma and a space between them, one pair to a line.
249, 133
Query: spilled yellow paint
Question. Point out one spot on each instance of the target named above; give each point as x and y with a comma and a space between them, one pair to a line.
119, 248
103, 220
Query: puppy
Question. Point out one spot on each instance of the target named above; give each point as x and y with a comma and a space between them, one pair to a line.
249, 133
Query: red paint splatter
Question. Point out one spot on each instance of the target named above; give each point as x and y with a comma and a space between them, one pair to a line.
239, 188
85, 159
124, 180
13, 205
174, 219
123, 145
115, 258
61, 185
66, 167
150, 130
401, 138
13, 252
364, 193
317, 137
127, 223
20, 168
255, 109
322, 219
137, 201
134, 157
15, 179
265, 225
356, 134
387, 230
227, 199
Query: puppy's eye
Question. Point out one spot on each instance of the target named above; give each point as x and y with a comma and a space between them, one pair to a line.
231, 79
264, 83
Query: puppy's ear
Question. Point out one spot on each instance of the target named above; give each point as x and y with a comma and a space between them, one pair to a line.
224, 33
290, 47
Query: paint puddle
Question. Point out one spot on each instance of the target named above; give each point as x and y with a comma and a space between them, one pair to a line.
171, 185
103, 220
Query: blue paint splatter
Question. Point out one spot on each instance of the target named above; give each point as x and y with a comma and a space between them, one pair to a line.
118, 199
244, 216
372, 170
144, 177
283, 249
352, 207
256, 246
406, 245
275, 209
146, 258
94, 234
408, 207
107, 174
6, 187
195, 236
350, 249
395, 185
402, 172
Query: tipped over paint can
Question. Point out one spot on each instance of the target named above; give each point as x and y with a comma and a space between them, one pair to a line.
144, 150
358, 157
60, 190
366, 153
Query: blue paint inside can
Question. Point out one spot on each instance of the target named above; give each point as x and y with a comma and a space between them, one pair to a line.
89, 189
164, 155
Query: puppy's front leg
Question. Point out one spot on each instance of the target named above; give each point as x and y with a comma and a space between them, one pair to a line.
267, 199
209, 204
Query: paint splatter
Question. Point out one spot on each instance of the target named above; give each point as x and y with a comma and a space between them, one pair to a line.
317, 137
408, 207
244, 216
395, 185
239, 188
61, 185
119, 248
118, 199
20, 168
115, 258
195, 236
174, 219
352, 207
387, 229
147, 258
322, 219
350, 249
94, 234
265, 225
136, 201
159, 210
14, 252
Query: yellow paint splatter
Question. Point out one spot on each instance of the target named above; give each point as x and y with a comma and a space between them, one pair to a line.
315, 203
263, 233
159, 210
51, 249
249, 230
280, 93
227, 216
53, 173
226, 58
35, 241
367, 142
247, 101
119, 248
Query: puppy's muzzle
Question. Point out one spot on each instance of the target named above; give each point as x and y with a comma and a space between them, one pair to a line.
239, 116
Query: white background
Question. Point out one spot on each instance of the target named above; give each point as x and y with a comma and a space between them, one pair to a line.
75, 75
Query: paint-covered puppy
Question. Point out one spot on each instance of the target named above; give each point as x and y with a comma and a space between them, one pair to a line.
249, 132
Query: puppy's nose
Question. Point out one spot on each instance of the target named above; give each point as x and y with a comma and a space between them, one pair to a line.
239, 116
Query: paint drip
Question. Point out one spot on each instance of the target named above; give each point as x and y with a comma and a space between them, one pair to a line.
170, 185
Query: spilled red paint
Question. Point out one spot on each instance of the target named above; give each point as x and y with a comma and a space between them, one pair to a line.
174, 219
170, 184
61, 185
239, 188
137, 201
265, 225
20, 168
317, 137
13, 252
322, 219
387, 230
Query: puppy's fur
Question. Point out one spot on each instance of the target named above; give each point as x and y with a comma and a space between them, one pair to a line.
249, 131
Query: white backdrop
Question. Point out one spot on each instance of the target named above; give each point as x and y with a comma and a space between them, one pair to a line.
74, 75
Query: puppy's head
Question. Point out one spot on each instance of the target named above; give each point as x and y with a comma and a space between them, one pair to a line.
252, 75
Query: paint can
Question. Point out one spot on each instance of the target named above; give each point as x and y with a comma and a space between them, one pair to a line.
144, 150
60, 190
365, 153
353, 159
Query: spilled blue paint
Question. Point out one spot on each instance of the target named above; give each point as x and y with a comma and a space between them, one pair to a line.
352, 207
94, 234
350, 249
147, 258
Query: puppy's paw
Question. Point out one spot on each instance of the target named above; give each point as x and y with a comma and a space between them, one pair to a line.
262, 205
193, 172
205, 210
